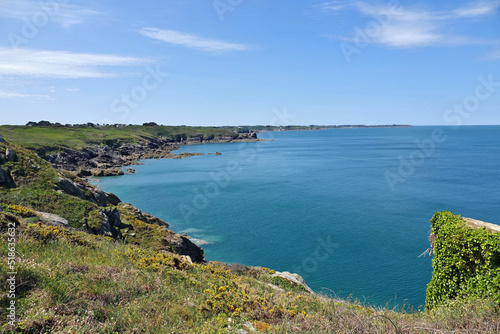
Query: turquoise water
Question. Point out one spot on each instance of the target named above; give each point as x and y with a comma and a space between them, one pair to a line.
348, 209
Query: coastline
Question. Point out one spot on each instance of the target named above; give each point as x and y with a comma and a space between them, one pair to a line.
107, 160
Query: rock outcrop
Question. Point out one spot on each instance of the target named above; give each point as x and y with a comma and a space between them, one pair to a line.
295, 278
70, 188
106, 172
52, 219
103, 160
2, 176
10, 155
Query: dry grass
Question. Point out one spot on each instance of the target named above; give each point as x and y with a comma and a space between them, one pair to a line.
101, 286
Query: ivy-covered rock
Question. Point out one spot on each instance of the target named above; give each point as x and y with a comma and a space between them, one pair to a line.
466, 261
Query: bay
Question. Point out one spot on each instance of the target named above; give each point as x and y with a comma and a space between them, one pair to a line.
347, 209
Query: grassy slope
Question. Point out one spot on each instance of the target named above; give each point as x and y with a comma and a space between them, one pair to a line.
75, 282
56, 138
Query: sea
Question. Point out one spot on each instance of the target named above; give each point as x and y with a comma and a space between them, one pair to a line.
347, 209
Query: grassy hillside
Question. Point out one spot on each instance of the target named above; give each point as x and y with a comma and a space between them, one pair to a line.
51, 138
76, 282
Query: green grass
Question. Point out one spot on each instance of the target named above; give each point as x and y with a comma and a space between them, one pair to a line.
72, 281
54, 139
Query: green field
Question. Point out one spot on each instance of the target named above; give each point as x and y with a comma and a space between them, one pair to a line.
50, 139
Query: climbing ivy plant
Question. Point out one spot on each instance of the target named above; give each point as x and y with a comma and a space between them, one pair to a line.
466, 261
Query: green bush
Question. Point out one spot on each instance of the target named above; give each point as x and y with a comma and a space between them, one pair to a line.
466, 262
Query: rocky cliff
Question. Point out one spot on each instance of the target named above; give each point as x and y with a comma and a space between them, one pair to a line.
30, 186
102, 160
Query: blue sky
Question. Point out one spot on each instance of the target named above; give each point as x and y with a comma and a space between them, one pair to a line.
243, 62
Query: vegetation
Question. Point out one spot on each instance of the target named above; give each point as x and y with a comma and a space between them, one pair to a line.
98, 285
466, 262
68, 280
50, 139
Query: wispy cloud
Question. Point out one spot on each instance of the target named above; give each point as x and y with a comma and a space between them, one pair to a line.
333, 5
8, 95
495, 55
479, 8
62, 64
63, 14
411, 27
192, 41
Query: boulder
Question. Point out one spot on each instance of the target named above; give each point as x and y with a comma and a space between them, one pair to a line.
112, 199
52, 219
295, 278
103, 198
1, 139
130, 170
105, 228
70, 188
10, 155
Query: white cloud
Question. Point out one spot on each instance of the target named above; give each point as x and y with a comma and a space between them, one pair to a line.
63, 14
333, 5
61, 64
479, 8
192, 41
401, 27
495, 55
6, 95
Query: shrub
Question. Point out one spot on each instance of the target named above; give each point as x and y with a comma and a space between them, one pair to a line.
466, 261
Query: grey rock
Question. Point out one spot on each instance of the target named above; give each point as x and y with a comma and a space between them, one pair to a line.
130, 170
106, 172
70, 188
105, 225
186, 258
1, 139
184, 246
99, 196
295, 278
53, 219
113, 217
103, 198
10, 155
3, 178
112, 199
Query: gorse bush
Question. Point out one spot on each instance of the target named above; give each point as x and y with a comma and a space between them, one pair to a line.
18, 210
466, 262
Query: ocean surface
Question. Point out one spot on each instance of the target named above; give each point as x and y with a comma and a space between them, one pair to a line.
348, 209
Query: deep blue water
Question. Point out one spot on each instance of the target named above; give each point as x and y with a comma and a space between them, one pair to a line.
348, 209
